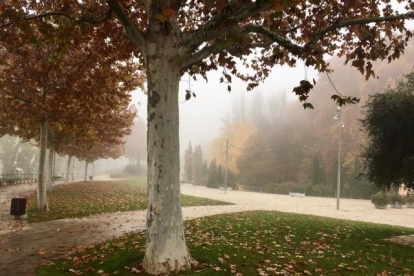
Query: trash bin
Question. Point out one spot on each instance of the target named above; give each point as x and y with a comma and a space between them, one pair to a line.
18, 207
90, 177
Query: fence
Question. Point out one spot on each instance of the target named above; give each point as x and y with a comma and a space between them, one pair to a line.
24, 178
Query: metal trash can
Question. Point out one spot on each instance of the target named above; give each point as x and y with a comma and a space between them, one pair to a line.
18, 207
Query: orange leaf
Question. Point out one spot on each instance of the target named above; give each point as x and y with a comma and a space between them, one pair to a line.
168, 12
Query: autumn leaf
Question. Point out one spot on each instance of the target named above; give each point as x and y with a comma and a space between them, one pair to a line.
168, 12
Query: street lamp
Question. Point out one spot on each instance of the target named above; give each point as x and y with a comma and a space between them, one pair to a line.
226, 151
338, 117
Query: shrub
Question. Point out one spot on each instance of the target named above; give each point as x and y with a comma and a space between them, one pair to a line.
133, 169
320, 190
380, 199
396, 198
409, 199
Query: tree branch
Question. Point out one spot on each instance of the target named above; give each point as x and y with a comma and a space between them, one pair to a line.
20, 98
203, 53
233, 12
129, 27
274, 37
352, 22
299, 49
295, 49
81, 19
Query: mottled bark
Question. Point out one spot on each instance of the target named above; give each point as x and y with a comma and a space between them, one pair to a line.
166, 249
41, 185
68, 169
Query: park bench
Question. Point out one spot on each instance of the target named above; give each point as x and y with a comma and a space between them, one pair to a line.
297, 194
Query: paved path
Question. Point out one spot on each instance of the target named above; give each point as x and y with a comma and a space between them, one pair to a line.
351, 209
19, 251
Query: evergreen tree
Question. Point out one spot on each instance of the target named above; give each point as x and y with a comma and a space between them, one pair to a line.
198, 165
204, 171
322, 174
220, 176
189, 164
212, 175
316, 171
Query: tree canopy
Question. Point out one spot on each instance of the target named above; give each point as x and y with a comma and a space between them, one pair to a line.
389, 124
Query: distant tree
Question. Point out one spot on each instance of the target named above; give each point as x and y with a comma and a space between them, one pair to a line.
220, 176
358, 187
136, 144
212, 175
318, 172
316, 178
334, 174
198, 165
189, 164
204, 171
26, 158
9, 146
389, 123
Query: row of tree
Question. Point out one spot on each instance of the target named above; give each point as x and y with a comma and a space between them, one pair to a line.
58, 93
197, 172
195, 167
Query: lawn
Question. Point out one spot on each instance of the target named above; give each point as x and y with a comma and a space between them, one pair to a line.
259, 243
89, 198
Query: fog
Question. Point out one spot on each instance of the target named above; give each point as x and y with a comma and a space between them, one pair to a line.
201, 117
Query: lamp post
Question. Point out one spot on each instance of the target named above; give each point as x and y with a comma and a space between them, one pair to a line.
226, 151
338, 117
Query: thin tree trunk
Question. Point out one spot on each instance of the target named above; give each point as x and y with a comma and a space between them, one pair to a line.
41, 187
166, 250
68, 169
50, 166
86, 171
73, 170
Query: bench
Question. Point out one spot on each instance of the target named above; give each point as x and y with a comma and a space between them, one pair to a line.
297, 194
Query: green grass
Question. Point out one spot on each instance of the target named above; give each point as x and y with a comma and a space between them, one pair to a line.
261, 241
83, 199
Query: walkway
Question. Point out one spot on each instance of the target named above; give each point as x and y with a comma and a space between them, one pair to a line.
20, 250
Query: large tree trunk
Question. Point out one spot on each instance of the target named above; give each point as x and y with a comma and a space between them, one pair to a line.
68, 169
166, 250
41, 187
86, 171
50, 166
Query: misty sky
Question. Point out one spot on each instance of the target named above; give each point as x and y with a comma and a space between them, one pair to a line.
200, 117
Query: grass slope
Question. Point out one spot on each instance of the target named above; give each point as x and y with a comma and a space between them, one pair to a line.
259, 243
83, 199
